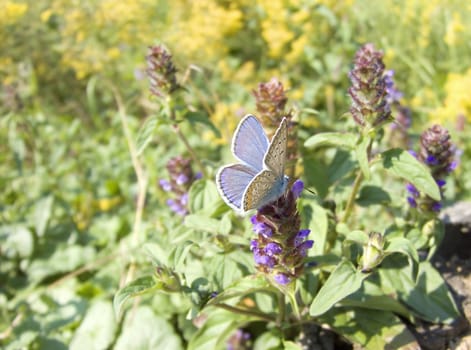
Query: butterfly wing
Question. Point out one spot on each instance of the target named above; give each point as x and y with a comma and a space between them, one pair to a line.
266, 187
275, 158
232, 181
250, 143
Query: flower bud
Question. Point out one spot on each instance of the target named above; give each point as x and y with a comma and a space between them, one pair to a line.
167, 279
372, 252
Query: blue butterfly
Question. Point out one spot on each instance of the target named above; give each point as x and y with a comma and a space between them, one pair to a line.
260, 177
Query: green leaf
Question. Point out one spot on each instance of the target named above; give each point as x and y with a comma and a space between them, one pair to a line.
268, 341
203, 196
97, 330
17, 241
247, 285
404, 246
371, 296
290, 345
315, 218
401, 163
146, 133
357, 236
144, 330
372, 329
429, 297
370, 195
343, 281
205, 224
217, 328
42, 213
137, 287
361, 151
344, 140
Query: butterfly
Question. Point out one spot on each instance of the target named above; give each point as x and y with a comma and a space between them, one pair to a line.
260, 177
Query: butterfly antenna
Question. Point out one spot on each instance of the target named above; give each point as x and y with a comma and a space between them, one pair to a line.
311, 191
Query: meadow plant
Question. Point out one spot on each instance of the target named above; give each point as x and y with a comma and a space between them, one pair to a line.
82, 218
355, 271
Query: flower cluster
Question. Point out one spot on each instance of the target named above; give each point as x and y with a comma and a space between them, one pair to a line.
270, 99
437, 152
161, 71
369, 94
280, 246
181, 178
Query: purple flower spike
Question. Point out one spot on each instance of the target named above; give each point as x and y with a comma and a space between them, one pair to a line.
412, 202
260, 227
282, 279
441, 183
181, 179
166, 186
302, 234
273, 248
412, 190
437, 206
431, 160
297, 188
452, 166
303, 247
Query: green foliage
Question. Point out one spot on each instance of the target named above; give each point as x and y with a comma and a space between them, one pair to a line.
92, 256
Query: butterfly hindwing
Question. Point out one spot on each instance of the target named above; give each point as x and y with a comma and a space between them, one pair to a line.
250, 143
275, 158
232, 180
265, 187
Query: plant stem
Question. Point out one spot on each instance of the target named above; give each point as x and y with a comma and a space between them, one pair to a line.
245, 312
356, 186
182, 137
281, 308
353, 194
294, 305
141, 179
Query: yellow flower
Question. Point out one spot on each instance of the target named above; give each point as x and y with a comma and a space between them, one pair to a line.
457, 100
46, 14
11, 12
453, 29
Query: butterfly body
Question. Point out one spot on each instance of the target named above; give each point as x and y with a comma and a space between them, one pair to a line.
259, 177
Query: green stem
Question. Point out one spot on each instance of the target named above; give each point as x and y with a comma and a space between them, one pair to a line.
281, 308
294, 305
182, 137
356, 186
245, 312
353, 194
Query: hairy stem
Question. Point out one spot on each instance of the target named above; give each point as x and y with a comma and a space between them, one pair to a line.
141, 179
190, 149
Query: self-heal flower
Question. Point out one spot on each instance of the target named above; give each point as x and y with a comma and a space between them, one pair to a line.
161, 71
270, 99
181, 178
438, 154
280, 254
370, 107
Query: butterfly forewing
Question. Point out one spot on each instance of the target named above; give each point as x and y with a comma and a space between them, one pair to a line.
263, 189
250, 143
275, 158
232, 180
